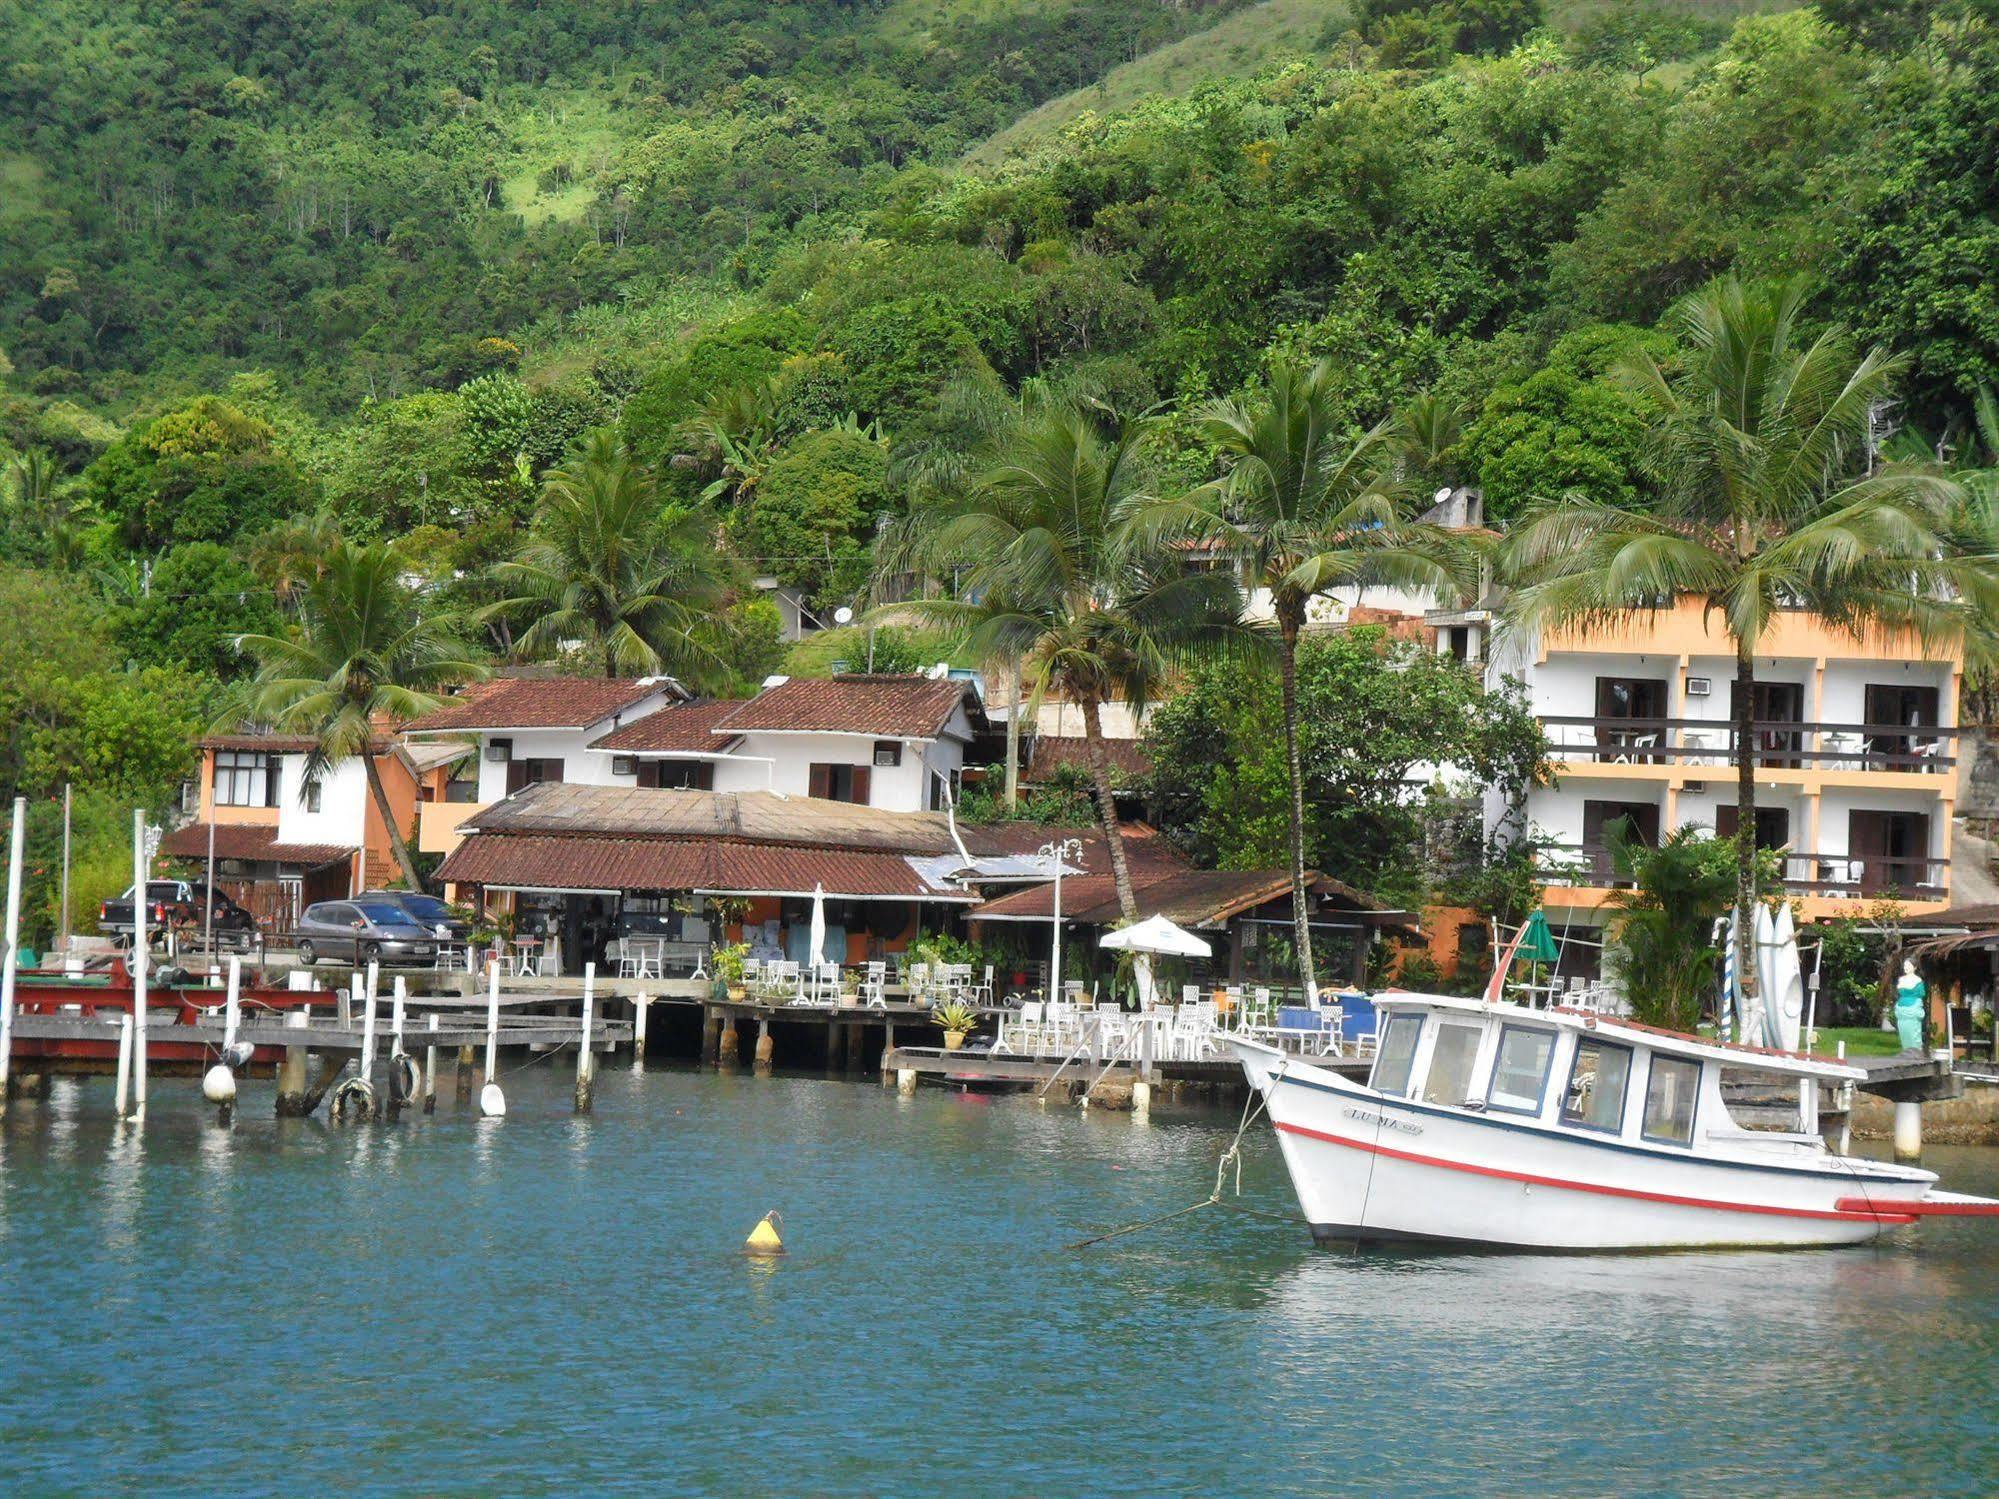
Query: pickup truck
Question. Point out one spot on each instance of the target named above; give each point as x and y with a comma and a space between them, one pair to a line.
176, 903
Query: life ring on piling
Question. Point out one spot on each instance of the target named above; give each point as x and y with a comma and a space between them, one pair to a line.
358, 1094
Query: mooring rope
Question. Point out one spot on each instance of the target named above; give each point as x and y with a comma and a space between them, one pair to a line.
1252, 1107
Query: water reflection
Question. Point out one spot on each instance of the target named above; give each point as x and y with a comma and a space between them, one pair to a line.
490, 1262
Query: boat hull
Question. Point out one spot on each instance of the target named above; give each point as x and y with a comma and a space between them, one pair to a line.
1368, 1168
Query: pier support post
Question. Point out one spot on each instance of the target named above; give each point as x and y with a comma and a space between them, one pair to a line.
462, 1074
640, 1006
726, 1048
905, 1081
291, 1071
430, 1071
586, 1060
832, 1046
856, 1044
1141, 1100
711, 1035
1908, 1130
766, 1048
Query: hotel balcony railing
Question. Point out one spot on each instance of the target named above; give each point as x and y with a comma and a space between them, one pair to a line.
1861, 876
1709, 743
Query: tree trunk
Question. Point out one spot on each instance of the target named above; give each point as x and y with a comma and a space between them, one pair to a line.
1013, 743
1745, 825
1301, 915
396, 843
1100, 778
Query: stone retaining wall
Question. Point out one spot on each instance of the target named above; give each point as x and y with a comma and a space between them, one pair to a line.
1972, 1119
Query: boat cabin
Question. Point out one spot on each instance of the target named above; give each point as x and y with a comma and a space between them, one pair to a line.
1595, 1075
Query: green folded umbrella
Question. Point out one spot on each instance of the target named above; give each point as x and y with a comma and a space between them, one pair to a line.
1537, 943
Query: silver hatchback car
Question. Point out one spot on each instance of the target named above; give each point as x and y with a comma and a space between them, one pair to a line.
363, 931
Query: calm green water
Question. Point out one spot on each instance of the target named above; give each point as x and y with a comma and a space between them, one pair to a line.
554, 1305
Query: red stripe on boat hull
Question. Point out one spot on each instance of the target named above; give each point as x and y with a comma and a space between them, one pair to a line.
1921, 1209
1842, 1213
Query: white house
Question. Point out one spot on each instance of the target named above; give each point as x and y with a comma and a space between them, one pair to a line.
528, 730
893, 742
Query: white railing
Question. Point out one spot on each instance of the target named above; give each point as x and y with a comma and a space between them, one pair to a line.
1196, 1031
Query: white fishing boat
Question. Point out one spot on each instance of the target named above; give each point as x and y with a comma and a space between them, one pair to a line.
1490, 1123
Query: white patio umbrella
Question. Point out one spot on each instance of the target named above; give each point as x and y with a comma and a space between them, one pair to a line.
816, 937
1154, 936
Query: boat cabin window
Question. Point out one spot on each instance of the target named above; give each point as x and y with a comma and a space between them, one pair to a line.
1520, 1074
1396, 1054
1669, 1100
1597, 1084
1451, 1058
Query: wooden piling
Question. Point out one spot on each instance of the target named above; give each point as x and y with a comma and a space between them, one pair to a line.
640, 1006
464, 1074
10, 960
586, 1062
856, 1044
430, 1071
766, 1048
291, 1071
832, 1046
726, 1046
711, 1035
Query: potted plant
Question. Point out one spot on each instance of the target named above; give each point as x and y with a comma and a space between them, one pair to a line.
850, 990
958, 1020
728, 967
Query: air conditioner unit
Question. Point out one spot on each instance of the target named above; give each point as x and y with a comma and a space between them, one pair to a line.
1700, 686
1695, 788
888, 752
624, 765
499, 751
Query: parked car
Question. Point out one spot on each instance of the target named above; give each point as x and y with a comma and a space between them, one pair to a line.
363, 930
430, 913
177, 904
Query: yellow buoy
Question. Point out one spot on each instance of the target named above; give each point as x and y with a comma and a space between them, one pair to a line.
764, 1238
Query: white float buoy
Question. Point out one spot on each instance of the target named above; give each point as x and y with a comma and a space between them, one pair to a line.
218, 1084
492, 1102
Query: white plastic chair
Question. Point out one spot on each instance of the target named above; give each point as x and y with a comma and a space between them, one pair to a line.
874, 986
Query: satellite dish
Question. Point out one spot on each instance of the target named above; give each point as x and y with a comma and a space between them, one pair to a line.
843, 615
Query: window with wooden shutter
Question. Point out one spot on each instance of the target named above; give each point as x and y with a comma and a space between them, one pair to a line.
862, 783
819, 781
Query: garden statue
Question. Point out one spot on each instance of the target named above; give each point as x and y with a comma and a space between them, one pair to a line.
1910, 992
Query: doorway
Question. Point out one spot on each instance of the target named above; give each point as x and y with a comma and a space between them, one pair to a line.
1892, 850
1772, 706
1631, 715
1599, 817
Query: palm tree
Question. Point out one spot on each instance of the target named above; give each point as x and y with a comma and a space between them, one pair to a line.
605, 563
288, 556
1068, 568
366, 653
1302, 510
47, 504
1761, 449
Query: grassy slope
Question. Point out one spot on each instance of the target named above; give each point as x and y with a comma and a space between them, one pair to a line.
1243, 43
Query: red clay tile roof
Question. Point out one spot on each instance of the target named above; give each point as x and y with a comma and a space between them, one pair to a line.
681, 727
889, 707
1191, 897
1053, 752
538, 703
271, 744
569, 863
248, 841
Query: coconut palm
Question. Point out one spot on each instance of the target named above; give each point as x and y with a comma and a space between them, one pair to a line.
1068, 567
1303, 509
607, 565
1760, 448
367, 654
293, 552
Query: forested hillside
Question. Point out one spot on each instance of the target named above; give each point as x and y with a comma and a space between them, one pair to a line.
272, 273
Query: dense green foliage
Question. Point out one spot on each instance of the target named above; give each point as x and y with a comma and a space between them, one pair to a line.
1374, 713
270, 278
